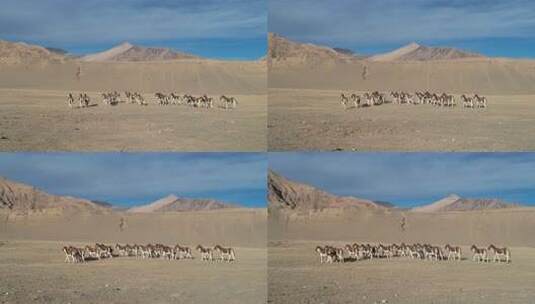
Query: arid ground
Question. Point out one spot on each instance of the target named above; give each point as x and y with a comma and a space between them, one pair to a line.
30, 252
306, 80
306, 119
35, 272
35, 115
296, 276
40, 120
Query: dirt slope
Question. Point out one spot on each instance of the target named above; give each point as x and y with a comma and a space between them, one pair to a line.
19, 198
20, 53
286, 194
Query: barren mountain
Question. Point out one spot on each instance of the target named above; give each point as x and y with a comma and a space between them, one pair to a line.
280, 48
173, 203
58, 51
12, 53
286, 194
129, 52
21, 198
416, 52
454, 202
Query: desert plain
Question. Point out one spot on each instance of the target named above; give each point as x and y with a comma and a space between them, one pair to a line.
36, 225
302, 217
31, 253
35, 83
306, 80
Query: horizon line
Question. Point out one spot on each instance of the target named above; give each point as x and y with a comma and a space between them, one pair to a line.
109, 46
121, 206
366, 55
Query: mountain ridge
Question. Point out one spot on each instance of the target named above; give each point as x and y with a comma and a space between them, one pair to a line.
13, 53
23, 198
128, 52
454, 202
281, 49
286, 194
416, 52
173, 203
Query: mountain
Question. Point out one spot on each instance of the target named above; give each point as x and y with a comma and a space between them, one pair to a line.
129, 52
57, 50
454, 202
286, 194
344, 51
416, 52
21, 198
12, 53
280, 49
173, 203
385, 204
102, 204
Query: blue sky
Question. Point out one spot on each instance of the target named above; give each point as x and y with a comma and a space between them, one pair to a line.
491, 27
127, 179
230, 29
411, 179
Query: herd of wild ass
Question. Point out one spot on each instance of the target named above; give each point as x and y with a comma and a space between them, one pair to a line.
178, 252
376, 98
115, 98
357, 252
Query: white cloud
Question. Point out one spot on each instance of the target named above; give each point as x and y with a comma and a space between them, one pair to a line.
353, 22
409, 176
109, 21
134, 175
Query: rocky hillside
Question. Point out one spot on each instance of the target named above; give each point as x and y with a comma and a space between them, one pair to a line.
21, 198
283, 49
14, 53
286, 194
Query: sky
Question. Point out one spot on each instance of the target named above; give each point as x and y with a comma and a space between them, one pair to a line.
226, 29
128, 179
494, 28
413, 179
